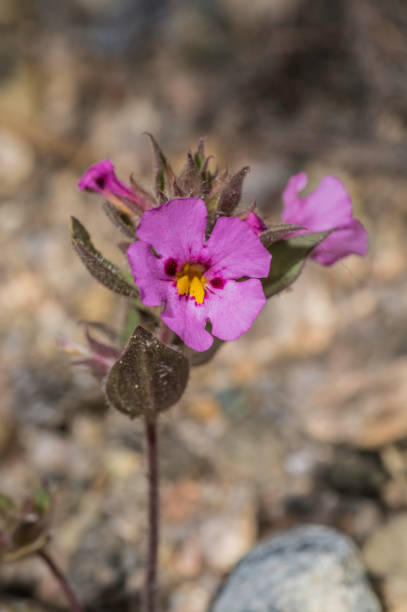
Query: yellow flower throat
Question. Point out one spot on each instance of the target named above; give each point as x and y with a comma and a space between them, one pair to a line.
191, 281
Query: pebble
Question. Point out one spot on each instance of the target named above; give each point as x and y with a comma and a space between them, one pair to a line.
306, 569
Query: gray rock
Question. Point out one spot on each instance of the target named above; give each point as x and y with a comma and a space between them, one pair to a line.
306, 569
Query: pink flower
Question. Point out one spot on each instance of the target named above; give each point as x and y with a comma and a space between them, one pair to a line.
102, 178
328, 207
195, 278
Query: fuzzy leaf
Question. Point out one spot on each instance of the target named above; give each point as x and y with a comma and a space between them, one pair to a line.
120, 220
148, 378
288, 260
103, 270
276, 232
231, 194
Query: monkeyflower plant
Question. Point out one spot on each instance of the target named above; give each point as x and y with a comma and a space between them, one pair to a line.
201, 270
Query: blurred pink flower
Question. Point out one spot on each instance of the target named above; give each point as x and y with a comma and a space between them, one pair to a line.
195, 278
102, 179
328, 207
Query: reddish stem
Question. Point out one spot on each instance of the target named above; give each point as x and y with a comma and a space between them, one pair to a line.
150, 595
62, 579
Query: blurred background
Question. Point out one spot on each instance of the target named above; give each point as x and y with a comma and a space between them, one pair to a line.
304, 419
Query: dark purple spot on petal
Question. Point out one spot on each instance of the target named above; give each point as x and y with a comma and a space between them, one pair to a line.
170, 267
101, 182
218, 283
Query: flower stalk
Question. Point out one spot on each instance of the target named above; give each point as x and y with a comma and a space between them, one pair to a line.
150, 594
73, 601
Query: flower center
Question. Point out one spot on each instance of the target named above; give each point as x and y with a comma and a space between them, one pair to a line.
191, 281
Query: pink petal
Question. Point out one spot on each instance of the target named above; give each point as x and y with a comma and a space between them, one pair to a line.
176, 228
327, 207
233, 309
148, 274
187, 319
292, 203
347, 241
255, 223
102, 178
234, 251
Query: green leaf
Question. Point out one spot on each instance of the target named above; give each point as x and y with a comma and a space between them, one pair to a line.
103, 270
288, 260
148, 378
230, 196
